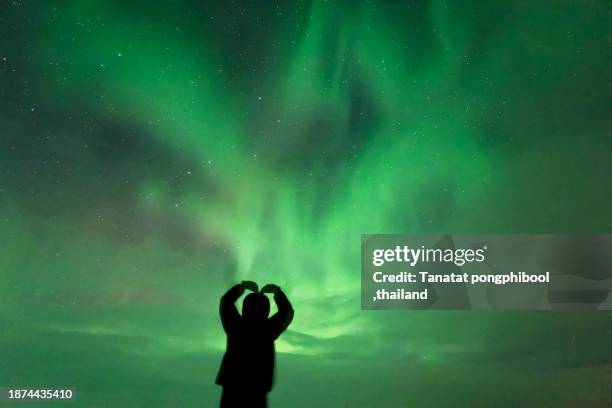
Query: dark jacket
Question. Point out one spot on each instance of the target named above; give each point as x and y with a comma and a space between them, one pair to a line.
248, 362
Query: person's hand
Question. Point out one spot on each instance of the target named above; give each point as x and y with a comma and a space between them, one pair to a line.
250, 285
270, 288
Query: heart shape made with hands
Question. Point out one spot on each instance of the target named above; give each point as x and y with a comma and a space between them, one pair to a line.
252, 286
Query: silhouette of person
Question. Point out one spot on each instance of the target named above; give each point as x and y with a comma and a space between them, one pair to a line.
247, 369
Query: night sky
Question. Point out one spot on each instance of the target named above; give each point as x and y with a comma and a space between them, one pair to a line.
153, 154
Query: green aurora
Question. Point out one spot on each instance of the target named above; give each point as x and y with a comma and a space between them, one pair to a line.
152, 154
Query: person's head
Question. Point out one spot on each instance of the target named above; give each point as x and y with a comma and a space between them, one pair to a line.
256, 306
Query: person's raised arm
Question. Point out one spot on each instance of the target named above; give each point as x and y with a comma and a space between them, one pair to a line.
281, 319
227, 307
